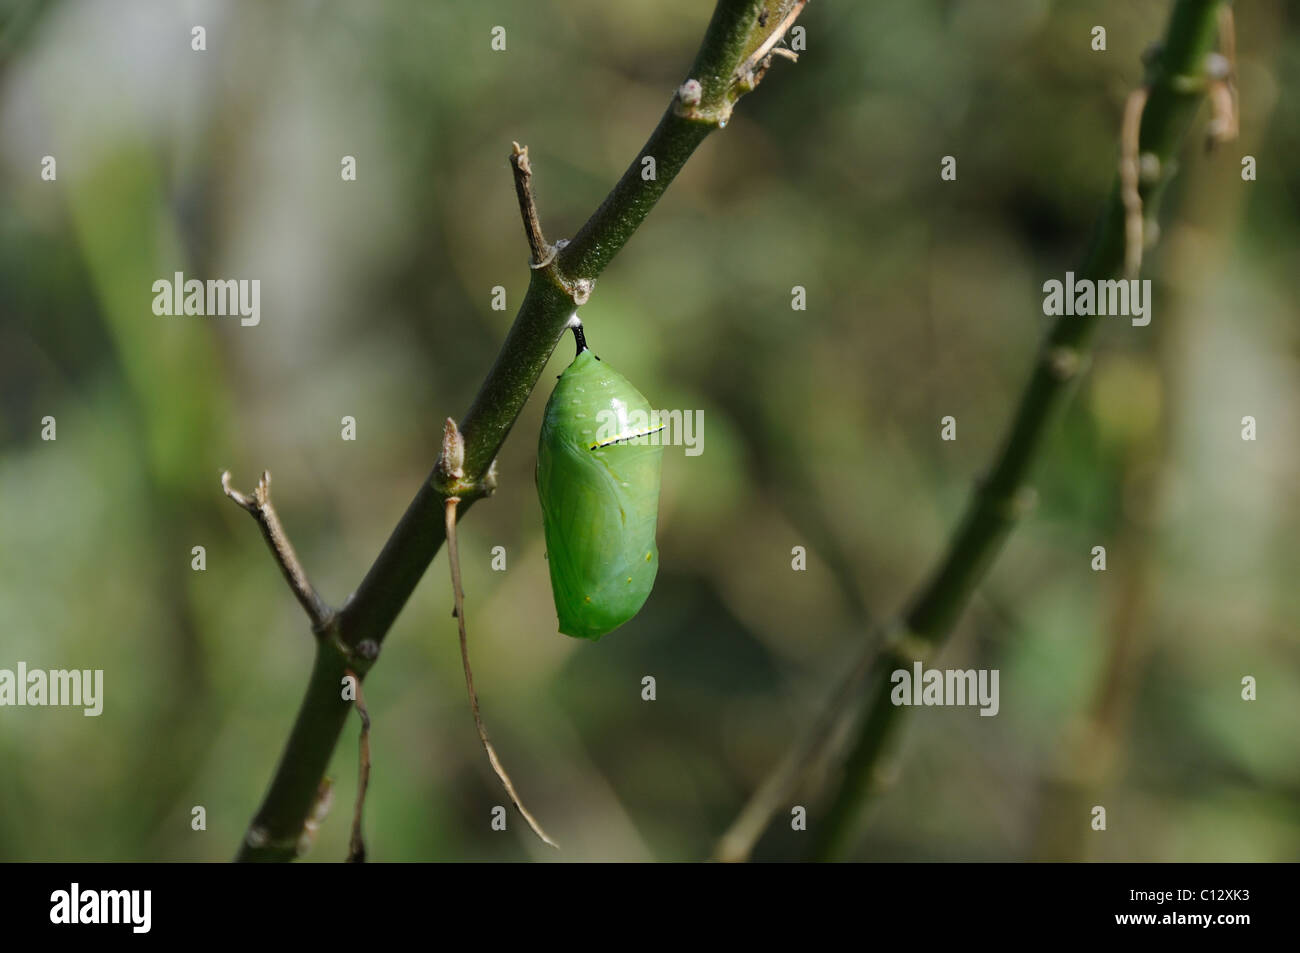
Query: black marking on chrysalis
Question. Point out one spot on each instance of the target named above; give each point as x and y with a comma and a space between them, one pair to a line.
623, 438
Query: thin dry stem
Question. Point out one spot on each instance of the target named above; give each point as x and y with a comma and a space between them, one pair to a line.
357, 845
543, 254
259, 505
458, 596
760, 59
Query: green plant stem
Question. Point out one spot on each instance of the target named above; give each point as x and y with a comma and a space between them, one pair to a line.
1177, 81
274, 833
554, 294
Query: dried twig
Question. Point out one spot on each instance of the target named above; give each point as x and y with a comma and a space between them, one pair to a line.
357, 845
752, 70
259, 505
543, 254
459, 597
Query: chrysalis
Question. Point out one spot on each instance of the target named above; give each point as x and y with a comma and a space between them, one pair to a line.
598, 470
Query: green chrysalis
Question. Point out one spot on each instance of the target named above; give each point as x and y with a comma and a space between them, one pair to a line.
598, 481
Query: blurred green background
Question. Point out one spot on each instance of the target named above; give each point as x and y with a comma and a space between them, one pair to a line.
821, 426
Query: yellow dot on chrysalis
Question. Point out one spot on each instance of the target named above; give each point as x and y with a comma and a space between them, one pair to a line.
588, 598
647, 557
629, 578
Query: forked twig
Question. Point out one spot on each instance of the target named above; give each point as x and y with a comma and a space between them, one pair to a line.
756, 65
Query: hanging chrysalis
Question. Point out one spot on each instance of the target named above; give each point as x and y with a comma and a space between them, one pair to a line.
598, 470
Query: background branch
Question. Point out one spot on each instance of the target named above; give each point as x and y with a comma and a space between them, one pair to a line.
736, 30
1177, 81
